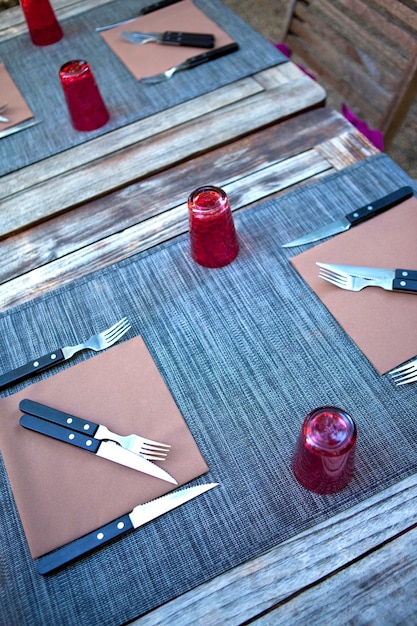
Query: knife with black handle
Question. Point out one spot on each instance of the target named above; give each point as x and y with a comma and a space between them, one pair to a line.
156, 6
172, 38
140, 515
355, 217
108, 450
199, 59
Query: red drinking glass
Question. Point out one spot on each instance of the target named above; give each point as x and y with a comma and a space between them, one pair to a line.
85, 104
324, 457
43, 26
213, 236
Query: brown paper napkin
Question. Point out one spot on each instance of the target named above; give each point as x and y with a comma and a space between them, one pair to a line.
152, 58
63, 492
381, 323
17, 110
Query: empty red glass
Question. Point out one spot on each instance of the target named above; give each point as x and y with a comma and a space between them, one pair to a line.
324, 457
213, 235
85, 104
43, 26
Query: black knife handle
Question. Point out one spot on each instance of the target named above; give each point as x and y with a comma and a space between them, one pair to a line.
210, 56
195, 40
405, 280
406, 274
383, 204
58, 417
31, 368
157, 5
66, 435
79, 547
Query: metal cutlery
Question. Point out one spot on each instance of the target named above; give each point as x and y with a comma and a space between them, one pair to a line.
354, 218
404, 374
194, 40
98, 342
355, 278
148, 448
3, 118
145, 11
18, 127
108, 450
140, 515
191, 62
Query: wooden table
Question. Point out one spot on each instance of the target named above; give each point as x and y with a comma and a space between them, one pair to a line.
256, 138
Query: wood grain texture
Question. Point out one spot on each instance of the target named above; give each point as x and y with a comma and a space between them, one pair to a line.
380, 586
288, 584
152, 211
366, 51
119, 158
13, 22
142, 200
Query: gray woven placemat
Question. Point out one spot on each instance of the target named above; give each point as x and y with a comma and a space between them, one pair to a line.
35, 71
247, 351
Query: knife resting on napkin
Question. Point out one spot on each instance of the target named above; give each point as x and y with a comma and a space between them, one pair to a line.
63, 500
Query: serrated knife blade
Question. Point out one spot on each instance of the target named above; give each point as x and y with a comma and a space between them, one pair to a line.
140, 515
109, 450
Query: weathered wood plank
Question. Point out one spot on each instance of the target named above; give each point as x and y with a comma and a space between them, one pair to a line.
155, 230
272, 579
124, 208
124, 137
13, 22
366, 51
154, 154
381, 585
346, 149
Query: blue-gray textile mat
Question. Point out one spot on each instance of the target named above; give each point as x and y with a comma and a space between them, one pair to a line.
246, 350
35, 72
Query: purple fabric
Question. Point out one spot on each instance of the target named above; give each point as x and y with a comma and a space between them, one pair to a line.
375, 136
282, 47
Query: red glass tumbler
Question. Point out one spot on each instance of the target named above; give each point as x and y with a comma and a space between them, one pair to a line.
85, 104
44, 28
213, 235
324, 457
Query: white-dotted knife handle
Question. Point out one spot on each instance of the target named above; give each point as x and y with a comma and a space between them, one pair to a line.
71, 551
58, 417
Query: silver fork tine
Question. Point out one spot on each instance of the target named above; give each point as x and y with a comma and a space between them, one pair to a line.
405, 380
334, 278
404, 374
113, 334
101, 341
137, 444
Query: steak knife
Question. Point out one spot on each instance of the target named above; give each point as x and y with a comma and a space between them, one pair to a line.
356, 278
211, 55
354, 218
151, 450
140, 515
149, 9
172, 38
109, 450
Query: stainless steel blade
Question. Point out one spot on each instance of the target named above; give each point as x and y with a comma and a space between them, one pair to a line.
339, 226
141, 38
101, 29
18, 127
113, 452
370, 273
144, 513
